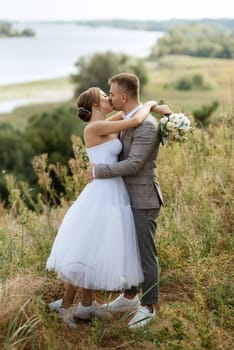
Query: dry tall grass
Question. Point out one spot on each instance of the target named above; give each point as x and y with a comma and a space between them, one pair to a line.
195, 241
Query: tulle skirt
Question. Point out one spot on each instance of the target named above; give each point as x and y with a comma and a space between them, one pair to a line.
96, 245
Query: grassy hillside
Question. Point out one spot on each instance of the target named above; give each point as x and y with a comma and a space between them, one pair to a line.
195, 241
195, 238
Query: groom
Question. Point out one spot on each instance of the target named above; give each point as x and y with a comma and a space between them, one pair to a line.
137, 166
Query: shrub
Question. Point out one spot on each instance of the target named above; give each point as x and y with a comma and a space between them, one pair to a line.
203, 115
191, 82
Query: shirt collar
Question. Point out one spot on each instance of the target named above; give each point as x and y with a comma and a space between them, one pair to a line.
132, 112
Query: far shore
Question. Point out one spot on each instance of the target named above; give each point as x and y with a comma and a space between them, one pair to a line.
35, 92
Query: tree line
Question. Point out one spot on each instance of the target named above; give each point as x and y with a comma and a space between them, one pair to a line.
154, 25
195, 40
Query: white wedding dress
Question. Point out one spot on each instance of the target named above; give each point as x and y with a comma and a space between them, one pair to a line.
96, 245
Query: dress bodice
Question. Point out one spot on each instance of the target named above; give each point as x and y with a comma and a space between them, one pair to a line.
106, 152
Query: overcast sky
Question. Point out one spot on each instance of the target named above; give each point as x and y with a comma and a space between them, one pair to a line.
107, 9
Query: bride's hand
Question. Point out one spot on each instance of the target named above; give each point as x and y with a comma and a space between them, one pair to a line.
89, 172
151, 104
162, 109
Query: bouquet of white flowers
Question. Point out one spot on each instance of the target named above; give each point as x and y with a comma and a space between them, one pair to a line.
173, 127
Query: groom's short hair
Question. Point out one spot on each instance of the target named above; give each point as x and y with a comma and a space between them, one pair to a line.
128, 83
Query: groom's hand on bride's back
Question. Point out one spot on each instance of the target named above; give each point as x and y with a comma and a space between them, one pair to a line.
90, 172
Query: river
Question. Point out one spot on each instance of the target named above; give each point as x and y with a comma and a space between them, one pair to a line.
56, 47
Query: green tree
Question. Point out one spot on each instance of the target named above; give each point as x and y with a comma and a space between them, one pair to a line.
6, 29
51, 133
15, 156
45, 133
97, 69
27, 32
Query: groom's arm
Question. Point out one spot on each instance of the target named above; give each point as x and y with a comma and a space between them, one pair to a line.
144, 140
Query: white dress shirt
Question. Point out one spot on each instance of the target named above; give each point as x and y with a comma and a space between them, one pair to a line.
130, 114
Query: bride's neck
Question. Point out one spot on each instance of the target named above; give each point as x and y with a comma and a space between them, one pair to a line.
97, 116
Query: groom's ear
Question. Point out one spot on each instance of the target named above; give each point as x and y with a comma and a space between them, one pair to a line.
123, 97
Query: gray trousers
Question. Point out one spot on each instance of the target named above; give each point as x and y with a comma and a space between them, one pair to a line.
145, 222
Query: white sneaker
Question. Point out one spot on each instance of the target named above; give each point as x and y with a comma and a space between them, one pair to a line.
122, 304
89, 312
55, 305
142, 317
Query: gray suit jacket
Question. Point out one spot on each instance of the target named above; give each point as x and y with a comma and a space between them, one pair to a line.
137, 165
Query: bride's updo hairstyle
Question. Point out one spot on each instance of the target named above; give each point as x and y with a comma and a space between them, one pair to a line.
85, 101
